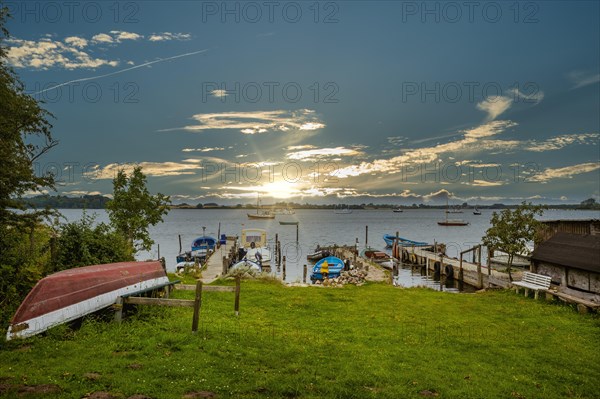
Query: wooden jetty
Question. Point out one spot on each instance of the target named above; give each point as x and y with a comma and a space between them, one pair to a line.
217, 262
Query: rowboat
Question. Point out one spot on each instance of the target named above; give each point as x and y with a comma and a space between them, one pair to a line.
378, 257
333, 264
390, 238
318, 255
453, 222
73, 293
288, 223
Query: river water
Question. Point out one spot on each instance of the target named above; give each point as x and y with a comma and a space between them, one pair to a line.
323, 227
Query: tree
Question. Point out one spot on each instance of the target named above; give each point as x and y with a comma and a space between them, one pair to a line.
24, 137
512, 230
82, 243
133, 209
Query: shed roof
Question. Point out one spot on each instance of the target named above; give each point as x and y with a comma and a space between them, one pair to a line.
571, 250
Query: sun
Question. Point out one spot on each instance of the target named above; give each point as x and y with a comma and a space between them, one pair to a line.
280, 189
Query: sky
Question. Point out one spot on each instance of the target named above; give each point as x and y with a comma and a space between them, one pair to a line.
395, 102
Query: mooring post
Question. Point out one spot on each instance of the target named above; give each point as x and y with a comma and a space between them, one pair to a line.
179, 235
119, 309
304, 274
297, 233
197, 306
236, 306
219, 237
158, 246
366, 236
284, 268
225, 265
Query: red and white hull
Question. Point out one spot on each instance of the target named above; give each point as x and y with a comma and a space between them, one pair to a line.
73, 293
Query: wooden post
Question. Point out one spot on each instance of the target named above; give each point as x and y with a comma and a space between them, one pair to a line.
179, 235
297, 233
460, 269
219, 236
197, 306
276, 249
225, 265
479, 277
119, 309
366, 236
237, 296
284, 268
304, 273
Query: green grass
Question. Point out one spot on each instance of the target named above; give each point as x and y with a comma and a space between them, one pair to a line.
374, 341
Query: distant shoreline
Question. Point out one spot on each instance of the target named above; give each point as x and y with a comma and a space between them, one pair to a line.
99, 202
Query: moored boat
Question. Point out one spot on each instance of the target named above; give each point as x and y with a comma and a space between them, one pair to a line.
453, 222
254, 242
247, 264
288, 222
476, 211
390, 238
332, 264
200, 249
70, 294
378, 257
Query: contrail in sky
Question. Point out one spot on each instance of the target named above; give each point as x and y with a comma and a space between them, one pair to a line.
122, 70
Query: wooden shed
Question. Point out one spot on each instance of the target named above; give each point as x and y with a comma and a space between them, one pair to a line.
574, 226
573, 262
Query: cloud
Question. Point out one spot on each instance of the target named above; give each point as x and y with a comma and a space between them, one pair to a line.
565, 172
256, 122
583, 78
205, 149
534, 97
300, 147
473, 140
168, 36
115, 36
75, 41
219, 93
186, 167
559, 142
310, 155
47, 53
494, 106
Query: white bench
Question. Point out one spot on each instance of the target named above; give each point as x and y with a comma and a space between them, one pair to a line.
533, 281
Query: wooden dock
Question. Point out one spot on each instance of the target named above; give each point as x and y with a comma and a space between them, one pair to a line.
214, 264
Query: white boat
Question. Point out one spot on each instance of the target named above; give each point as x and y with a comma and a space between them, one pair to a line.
245, 263
342, 210
254, 242
261, 214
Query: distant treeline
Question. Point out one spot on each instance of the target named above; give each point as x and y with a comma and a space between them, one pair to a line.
63, 202
99, 202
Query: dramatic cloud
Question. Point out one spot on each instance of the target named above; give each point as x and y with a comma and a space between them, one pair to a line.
255, 122
473, 140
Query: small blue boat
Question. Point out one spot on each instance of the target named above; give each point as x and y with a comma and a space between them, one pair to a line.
335, 266
390, 238
200, 248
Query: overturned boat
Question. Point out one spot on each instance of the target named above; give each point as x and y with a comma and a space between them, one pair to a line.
73, 293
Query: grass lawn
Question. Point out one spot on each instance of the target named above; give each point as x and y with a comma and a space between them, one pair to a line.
374, 341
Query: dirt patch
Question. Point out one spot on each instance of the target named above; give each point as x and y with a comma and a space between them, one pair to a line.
101, 395
38, 389
199, 394
139, 396
92, 376
135, 366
